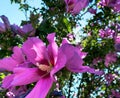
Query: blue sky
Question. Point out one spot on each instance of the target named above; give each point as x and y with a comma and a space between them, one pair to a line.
12, 10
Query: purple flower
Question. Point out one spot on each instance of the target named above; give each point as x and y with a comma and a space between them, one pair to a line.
2, 27
5, 25
109, 78
6, 22
110, 58
24, 30
115, 4
96, 61
117, 43
117, 47
75, 6
117, 39
115, 94
107, 33
46, 61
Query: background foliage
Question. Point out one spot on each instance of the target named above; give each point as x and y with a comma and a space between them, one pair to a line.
52, 17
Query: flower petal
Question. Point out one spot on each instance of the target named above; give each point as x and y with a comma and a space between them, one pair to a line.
25, 76
61, 61
41, 88
52, 48
27, 28
6, 83
2, 27
18, 55
8, 64
34, 49
6, 22
74, 59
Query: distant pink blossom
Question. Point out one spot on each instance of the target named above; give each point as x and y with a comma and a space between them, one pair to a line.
115, 4
2, 27
97, 60
89, 33
109, 78
110, 58
6, 22
117, 43
75, 6
115, 94
5, 25
117, 39
107, 33
26, 29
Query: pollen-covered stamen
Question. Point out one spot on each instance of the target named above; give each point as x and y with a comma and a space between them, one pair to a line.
44, 67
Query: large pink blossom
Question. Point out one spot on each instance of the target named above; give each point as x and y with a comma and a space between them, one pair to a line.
110, 58
75, 6
46, 61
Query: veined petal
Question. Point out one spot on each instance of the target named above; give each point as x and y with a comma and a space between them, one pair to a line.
6, 83
52, 48
74, 63
18, 55
8, 64
61, 61
34, 49
25, 76
41, 88
74, 59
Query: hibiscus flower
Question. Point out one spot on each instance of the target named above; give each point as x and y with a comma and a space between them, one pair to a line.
43, 61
